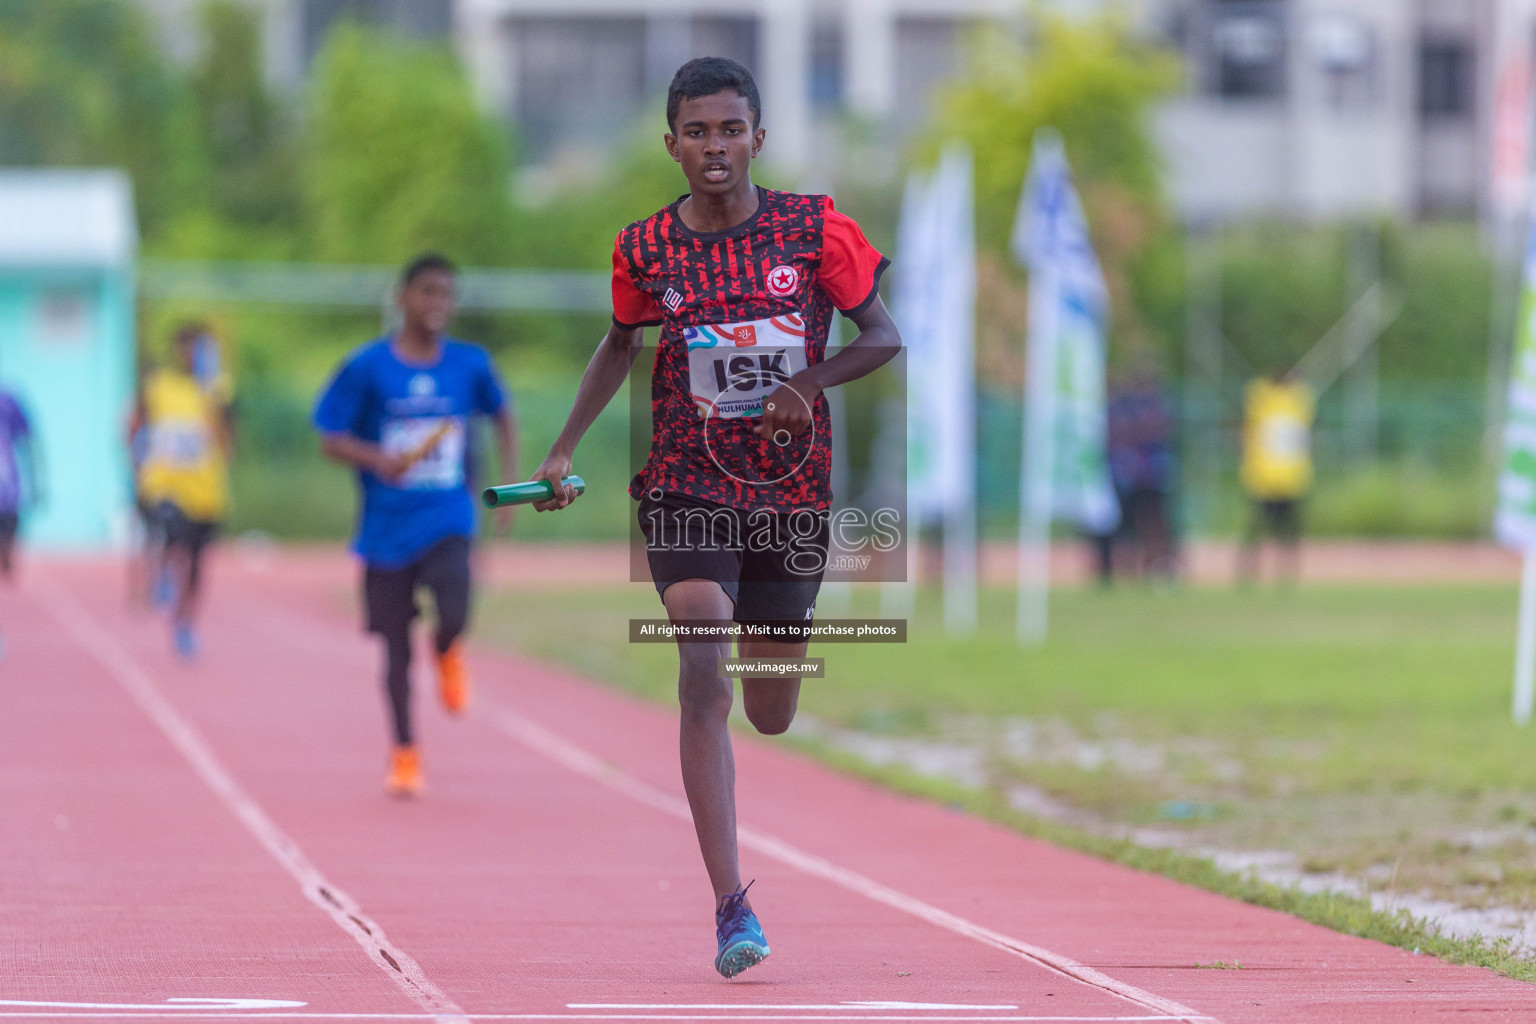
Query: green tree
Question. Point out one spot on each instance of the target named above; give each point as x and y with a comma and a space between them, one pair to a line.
83, 83
250, 143
576, 226
1090, 79
251, 205
1093, 81
399, 158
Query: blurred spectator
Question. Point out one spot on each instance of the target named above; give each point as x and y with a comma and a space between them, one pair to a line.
1276, 469
1141, 464
20, 476
183, 419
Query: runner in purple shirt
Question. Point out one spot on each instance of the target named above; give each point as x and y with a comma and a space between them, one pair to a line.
18, 455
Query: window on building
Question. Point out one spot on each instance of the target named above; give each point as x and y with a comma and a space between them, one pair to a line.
927, 52
64, 316
826, 85
731, 37
581, 81
1343, 50
1247, 48
1447, 78
427, 19
1174, 25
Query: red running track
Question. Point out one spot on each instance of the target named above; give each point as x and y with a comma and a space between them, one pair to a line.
212, 843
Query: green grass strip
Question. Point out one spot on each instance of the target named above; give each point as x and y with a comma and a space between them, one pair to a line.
1350, 915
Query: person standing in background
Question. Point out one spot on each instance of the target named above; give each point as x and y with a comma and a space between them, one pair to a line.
1141, 464
1276, 470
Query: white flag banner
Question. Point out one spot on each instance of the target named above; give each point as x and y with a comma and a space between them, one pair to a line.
916, 303
935, 309
1065, 472
1514, 522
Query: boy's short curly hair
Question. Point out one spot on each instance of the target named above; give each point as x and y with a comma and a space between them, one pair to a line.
423, 263
705, 76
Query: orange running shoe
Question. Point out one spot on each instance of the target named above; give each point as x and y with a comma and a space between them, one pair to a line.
453, 679
404, 777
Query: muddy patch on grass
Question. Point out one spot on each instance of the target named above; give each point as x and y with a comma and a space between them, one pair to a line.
1465, 861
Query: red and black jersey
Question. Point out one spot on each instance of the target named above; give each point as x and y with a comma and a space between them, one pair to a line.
741, 311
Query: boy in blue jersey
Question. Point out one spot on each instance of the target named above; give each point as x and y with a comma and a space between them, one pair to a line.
399, 411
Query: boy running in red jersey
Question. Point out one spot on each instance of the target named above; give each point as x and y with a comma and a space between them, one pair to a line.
743, 282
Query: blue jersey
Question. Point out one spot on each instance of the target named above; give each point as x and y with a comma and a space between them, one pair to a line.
401, 407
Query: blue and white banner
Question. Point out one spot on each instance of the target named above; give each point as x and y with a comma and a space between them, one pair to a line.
1065, 469
936, 313
1068, 337
1514, 522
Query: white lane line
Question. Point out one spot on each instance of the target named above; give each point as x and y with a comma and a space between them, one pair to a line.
396, 964
1065, 1019
564, 752
173, 1003
851, 1004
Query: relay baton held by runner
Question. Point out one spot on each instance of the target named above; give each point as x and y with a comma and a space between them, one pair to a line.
533, 490
424, 448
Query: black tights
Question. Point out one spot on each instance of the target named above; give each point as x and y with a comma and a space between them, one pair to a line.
391, 596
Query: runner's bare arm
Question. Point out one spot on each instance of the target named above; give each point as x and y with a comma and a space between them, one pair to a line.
505, 427
355, 451
878, 341
140, 415
224, 429
604, 376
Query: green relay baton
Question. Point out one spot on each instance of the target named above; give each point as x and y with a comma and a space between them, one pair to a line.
522, 494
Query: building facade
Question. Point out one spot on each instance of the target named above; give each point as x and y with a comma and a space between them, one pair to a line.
1311, 109
583, 70
68, 242
1326, 108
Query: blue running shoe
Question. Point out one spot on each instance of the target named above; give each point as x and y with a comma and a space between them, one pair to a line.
164, 591
185, 641
741, 938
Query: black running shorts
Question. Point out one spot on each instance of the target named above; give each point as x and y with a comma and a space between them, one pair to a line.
389, 595
178, 530
769, 564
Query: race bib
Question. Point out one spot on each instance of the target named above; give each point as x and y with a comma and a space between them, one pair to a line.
435, 443
733, 367
178, 442
1286, 437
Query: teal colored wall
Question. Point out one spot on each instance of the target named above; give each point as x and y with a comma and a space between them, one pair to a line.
67, 350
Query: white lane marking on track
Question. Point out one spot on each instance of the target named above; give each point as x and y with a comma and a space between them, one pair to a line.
173, 1003
852, 1004
398, 965
575, 758
576, 1016
563, 751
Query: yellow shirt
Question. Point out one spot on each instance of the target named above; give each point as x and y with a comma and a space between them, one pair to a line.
1277, 440
184, 461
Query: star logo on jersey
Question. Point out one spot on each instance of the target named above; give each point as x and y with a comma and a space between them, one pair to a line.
672, 299
783, 279
422, 385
